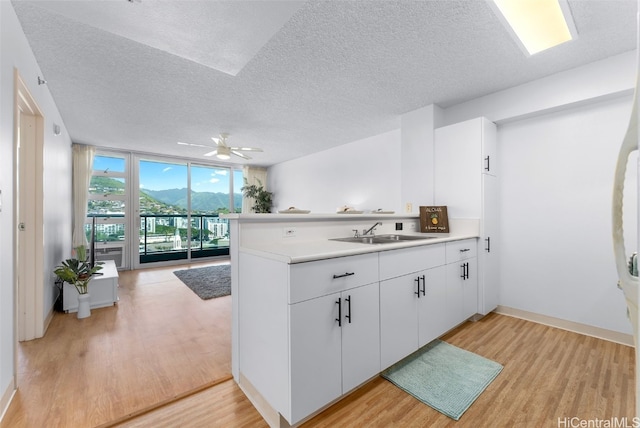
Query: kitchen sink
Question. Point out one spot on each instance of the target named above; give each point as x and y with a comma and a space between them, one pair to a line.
381, 239
404, 237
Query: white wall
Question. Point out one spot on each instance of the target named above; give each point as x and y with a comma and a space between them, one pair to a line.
556, 190
364, 174
416, 163
15, 53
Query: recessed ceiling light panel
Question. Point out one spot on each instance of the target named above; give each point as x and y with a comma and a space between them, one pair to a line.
536, 25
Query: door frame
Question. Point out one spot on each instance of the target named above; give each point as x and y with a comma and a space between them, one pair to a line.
28, 296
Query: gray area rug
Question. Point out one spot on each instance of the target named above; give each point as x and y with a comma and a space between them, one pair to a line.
445, 377
207, 282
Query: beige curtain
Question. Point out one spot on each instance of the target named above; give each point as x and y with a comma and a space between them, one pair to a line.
82, 169
252, 175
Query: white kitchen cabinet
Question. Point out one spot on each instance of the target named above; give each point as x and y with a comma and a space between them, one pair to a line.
412, 300
335, 346
314, 331
487, 249
462, 291
360, 335
462, 281
398, 318
432, 309
315, 355
412, 313
311, 331
466, 174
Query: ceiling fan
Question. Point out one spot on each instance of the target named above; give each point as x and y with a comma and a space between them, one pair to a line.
223, 151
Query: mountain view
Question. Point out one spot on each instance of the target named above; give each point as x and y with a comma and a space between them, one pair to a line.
170, 201
201, 202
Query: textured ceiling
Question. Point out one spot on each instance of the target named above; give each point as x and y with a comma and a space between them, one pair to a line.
292, 78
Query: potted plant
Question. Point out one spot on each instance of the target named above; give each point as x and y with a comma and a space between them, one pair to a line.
262, 199
78, 272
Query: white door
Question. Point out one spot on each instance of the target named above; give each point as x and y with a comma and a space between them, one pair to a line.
28, 214
360, 335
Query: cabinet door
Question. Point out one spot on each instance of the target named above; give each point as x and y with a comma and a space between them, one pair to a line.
432, 312
470, 289
489, 148
360, 335
315, 340
455, 294
462, 291
488, 284
458, 166
398, 319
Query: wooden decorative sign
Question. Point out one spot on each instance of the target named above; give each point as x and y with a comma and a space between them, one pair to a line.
434, 220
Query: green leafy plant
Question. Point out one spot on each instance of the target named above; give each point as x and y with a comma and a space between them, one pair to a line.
262, 199
77, 271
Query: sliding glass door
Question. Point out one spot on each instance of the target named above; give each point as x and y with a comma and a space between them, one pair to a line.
163, 209
179, 204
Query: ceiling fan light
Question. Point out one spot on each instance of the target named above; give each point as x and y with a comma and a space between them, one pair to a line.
224, 153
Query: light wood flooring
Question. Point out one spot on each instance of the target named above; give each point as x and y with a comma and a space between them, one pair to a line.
549, 375
160, 341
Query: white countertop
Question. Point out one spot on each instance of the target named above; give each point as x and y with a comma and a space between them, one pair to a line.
274, 217
306, 251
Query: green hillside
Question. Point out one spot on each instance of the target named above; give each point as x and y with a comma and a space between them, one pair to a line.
169, 201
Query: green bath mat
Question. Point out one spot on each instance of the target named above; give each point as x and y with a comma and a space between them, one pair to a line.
445, 377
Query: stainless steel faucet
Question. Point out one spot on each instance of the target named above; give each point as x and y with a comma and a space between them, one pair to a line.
370, 230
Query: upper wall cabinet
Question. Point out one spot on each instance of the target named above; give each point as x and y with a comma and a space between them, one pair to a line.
463, 153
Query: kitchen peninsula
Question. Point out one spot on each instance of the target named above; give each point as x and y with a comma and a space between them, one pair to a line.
314, 318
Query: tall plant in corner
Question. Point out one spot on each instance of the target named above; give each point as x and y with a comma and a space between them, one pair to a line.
262, 199
77, 271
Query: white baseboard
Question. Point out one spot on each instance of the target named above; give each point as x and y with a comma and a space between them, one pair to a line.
6, 397
47, 321
588, 330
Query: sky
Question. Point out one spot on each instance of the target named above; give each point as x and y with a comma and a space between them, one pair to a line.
162, 175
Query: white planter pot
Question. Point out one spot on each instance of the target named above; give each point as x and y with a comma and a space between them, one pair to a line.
84, 308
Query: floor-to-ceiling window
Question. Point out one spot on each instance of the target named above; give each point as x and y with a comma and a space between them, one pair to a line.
146, 209
109, 202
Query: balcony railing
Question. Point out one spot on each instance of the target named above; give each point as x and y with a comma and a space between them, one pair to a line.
165, 237
171, 237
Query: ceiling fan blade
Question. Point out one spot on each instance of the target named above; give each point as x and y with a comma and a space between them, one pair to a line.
213, 153
242, 155
246, 149
191, 144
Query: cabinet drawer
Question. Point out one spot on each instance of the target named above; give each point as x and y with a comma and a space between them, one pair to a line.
461, 250
314, 279
395, 263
